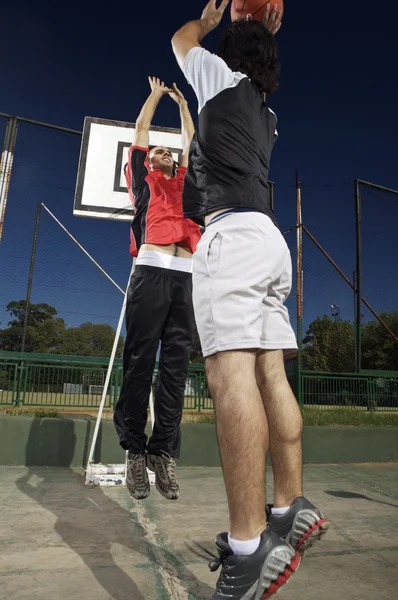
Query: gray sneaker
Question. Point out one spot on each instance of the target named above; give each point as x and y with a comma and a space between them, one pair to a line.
255, 577
301, 526
137, 480
164, 468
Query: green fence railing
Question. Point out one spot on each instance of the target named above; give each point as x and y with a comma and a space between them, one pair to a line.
372, 391
46, 380
50, 380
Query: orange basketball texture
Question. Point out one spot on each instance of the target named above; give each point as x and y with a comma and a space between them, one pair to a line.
241, 8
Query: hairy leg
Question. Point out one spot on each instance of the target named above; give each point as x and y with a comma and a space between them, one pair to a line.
242, 438
285, 424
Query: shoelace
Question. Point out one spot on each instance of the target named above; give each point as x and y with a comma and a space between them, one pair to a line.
139, 470
216, 561
170, 467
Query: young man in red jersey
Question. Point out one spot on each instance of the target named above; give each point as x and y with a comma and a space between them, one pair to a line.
242, 275
159, 303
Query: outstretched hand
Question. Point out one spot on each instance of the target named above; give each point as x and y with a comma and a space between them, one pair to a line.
177, 95
272, 18
212, 14
158, 87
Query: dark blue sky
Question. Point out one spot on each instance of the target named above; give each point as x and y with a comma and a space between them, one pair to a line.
336, 106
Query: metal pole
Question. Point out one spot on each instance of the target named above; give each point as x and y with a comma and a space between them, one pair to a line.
358, 287
27, 302
82, 249
30, 278
108, 376
377, 187
6, 161
352, 286
355, 315
41, 124
300, 303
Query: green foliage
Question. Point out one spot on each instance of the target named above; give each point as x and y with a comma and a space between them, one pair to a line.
89, 339
379, 348
335, 417
44, 328
329, 346
196, 352
348, 417
47, 333
38, 413
38, 313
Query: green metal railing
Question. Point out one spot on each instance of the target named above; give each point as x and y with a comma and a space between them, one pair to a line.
49, 380
367, 391
46, 380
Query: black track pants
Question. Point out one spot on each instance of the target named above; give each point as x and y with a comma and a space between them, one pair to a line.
159, 308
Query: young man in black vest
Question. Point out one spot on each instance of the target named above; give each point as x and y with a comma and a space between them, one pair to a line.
242, 276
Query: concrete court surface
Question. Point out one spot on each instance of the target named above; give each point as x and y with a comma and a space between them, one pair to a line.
61, 541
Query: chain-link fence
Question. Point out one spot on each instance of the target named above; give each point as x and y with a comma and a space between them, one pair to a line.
379, 287
74, 308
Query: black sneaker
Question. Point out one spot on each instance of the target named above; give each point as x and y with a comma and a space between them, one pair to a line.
254, 577
164, 468
137, 480
301, 526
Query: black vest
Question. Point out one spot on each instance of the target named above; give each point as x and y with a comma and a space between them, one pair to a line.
230, 154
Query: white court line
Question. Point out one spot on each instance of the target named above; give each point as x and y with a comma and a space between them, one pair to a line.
171, 582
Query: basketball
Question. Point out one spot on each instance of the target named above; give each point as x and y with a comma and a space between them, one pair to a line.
241, 8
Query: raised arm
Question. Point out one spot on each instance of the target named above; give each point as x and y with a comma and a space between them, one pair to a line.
144, 119
187, 126
192, 33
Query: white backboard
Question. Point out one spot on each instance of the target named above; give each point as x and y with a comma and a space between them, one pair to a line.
101, 187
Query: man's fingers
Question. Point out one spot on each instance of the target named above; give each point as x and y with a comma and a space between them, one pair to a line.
266, 14
272, 18
224, 5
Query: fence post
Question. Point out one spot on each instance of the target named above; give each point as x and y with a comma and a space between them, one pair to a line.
299, 277
358, 287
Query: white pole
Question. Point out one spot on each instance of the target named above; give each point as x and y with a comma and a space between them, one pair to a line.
109, 373
81, 248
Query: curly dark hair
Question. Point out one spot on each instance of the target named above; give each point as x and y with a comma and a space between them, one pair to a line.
248, 47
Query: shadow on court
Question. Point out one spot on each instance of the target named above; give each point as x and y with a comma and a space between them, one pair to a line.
62, 540
354, 495
99, 528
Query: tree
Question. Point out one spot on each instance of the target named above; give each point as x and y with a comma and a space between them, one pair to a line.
329, 346
38, 313
196, 352
44, 328
379, 348
89, 339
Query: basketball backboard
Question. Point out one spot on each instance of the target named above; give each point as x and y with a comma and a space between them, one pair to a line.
101, 187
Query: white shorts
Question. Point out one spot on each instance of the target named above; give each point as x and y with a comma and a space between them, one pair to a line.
242, 276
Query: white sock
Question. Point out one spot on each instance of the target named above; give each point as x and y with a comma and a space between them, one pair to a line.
243, 548
278, 512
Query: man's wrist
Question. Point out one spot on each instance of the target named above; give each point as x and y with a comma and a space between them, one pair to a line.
207, 26
157, 93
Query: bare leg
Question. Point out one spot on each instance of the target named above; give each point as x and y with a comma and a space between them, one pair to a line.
285, 424
242, 437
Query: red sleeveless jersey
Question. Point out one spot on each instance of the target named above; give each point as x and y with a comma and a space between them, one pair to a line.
157, 201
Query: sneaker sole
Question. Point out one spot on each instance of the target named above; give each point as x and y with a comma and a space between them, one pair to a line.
164, 494
308, 528
140, 497
152, 468
283, 578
